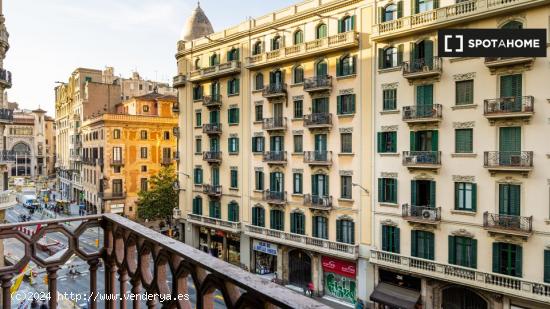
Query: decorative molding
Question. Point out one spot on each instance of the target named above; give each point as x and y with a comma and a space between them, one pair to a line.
423, 127
389, 128
234, 135
298, 170
297, 97
297, 132
258, 169
320, 95
198, 110
198, 166
425, 81
464, 125
388, 175
234, 168
258, 205
457, 59
463, 233
390, 86
465, 76
198, 136
423, 176
320, 170
297, 210
320, 213
258, 102
509, 179
464, 106
389, 222
346, 173
345, 217
347, 91
346, 130
234, 106
258, 134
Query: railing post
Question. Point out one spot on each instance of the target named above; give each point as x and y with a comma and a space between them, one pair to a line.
110, 278
136, 289
93, 282
122, 278
52, 285
6, 295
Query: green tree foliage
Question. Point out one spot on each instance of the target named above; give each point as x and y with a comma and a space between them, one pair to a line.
161, 198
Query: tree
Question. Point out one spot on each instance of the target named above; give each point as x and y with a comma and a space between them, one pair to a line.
160, 199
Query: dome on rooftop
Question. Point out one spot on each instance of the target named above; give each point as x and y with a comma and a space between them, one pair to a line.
196, 26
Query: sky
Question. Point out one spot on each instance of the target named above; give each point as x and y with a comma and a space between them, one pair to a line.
49, 39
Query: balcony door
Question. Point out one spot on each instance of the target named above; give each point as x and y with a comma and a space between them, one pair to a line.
510, 87
510, 146
117, 153
277, 182
117, 187
321, 69
277, 143
215, 117
321, 147
422, 54
276, 78
424, 100
423, 193
215, 176
214, 144
320, 105
277, 112
215, 89
509, 199
424, 141
319, 185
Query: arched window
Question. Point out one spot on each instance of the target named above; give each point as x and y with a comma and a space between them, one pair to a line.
298, 75
258, 216
233, 86
320, 227
321, 31
390, 57
116, 134
215, 89
298, 37
197, 63
257, 48
321, 68
346, 66
276, 42
145, 108
389, 12
233, 54
514, 24
277, 220
233, 212
345, 231
259, 81
197, 92
215, 210
214, 59
276, 77
297, 223
347, 24
197, 206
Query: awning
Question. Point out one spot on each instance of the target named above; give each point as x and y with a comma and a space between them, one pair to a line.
395, 296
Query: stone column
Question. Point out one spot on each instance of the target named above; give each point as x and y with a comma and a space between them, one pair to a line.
225, 250
315, 278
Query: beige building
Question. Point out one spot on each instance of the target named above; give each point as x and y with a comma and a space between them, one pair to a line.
462, 167
274, 179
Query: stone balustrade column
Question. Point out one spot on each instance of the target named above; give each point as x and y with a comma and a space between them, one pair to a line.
94, 265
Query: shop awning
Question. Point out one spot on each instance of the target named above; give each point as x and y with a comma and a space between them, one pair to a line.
395, 296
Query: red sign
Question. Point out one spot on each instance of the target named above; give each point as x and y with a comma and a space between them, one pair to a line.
340, 267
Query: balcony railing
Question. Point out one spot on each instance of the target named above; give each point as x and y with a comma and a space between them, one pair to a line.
5, 78
179, 80
318, 201
275, 197
350, 251
508, 223
6, 115
212, 128
166, 161
212, 101
508, 160
509, 107
318, 83
318, 157
497, 283
422, 68
8, 199
422, 113
275, 157
112, 195
318, 120
215, 71
212, 190
231, 226
212, 156
424, 214
138, 259
422, 159
274, 91
117, 162
274, 124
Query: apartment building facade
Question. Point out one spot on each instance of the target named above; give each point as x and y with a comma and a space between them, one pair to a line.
275, 180
461, 209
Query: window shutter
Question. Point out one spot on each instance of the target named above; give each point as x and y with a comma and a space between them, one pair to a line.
519, 261
457, 192
353, 103
496, 257
473, 260
354, 64
237, 85
229, 87
236, 115
436, 4
474, 197
380, 189
431, 244
414, 234
381, 14
547, 266
400, 48
429, 52
393, 198
435, 140
412, 51
340, 25
353, 22
339, 67
352, 227
237, 57
272, 220
380, 58
397, 233
339, 104
385, 231
432, 194
393, 136
272, 43
254, 145
452, 244
413, 193
379, 142
229, 56
413, 141
399, 9
338, 230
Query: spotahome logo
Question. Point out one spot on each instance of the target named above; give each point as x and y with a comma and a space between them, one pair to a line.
492, 43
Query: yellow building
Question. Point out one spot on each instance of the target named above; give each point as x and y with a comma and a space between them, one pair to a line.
122, 150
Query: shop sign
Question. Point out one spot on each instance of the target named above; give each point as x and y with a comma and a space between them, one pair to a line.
340, 267
265, 247
117, 208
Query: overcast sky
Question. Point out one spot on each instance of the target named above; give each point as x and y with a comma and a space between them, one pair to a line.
50, 38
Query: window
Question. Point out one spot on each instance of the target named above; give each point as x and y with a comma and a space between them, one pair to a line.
297, 187
234, 181
144, 168
116, 169
197, 175
321, 31
117, 187
197, 206
277, 220
389, 99
298, 109
258, 216
197, 92
463, 251
233, 144
258, 144
387, 190
259, 180
390, 238
233, 87
345, 231
465, 196
422, 244
514, 24
297, 223
259, 112
298, 37
320, 227
143, 134
257, 48
116, 134
215, 210
346, 24
464, 92
144, 185
298, 143
345, 187
166, 135
390, 57
346, 143
233, 54
346, 66
547, 266
145, 108
233, 212
233, 115
198, 145
276, 43
387, 142
214, 60
392, 12
298, 75
507, 259
509, 199
197, 63
143, 152
259, 83
424, 5
345, 104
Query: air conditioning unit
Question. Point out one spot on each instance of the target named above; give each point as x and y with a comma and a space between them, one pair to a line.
429, 214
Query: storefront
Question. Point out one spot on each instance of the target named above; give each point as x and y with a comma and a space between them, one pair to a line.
299, 268
265, 257
339, 279
220, 244
396, 290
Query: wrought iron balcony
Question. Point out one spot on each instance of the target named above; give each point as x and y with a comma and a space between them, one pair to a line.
6, 115
179, 80
275, 157
509, 107
508, 161
318, 120
212, 156
318, 157
166, 161
422, 159
215, 71
419, 113
212, 190
275, 197
508, 224
212, 101
137, 259
422, 68
230, 226
115, 195
318, 83
273, 91
421, 214
318, 201
494, 63
274, 124
117, 162
5, 78
212, 128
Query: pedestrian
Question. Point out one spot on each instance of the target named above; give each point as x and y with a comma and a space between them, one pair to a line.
359, 304
43, 305
34, 303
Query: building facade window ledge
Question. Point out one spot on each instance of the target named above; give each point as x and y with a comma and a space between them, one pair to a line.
297, 194
297, 119
297, 153
389, 154
296, 85
233, 189
258, 122
465, 106
387, 70
259, 191
233, 153
394, 205
198, 127
458, 59
345, 200
345, 115
346, 76
346, 154
257, 90
233, 124
463, 212
389, 112
463, 155
198, 153
257, 153
233, 95
547, 221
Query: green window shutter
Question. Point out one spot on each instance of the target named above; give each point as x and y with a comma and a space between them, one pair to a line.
338, 67
353, 22
338, 230
435, 140
413, 193
432, 194
397, 240
254, 145
380, 58
393, 141
431, 245
473, 260
474, 196
381, 14
452, 244
229, 56
340, 25
514, 207
414, 235
379, 142
519, 260
413, 141
393, 191
428, 52
547, 266
237, 116
339, 104
314, 184
237, 56
354, 64
412, 52
400, 48
399, 9
496, 257
237, 85
457, 195
384, 237
381, 190
353, 103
